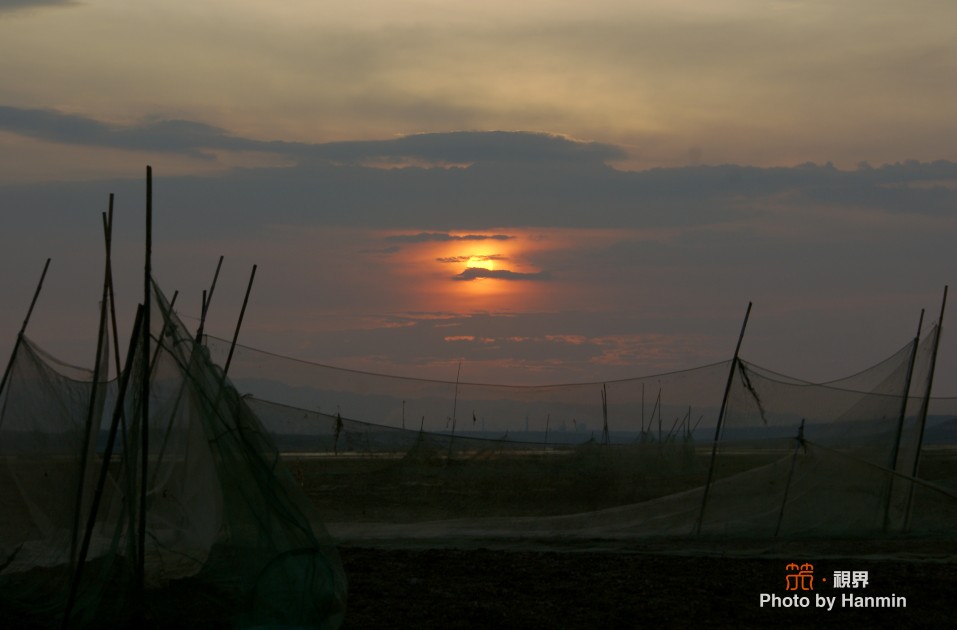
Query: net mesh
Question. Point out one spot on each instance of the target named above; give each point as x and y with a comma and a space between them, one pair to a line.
239, 471
391, 458
228, 533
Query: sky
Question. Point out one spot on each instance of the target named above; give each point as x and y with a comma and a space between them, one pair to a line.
544, 192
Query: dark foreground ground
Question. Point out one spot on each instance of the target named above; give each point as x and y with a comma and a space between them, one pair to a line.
598, 585
483, 588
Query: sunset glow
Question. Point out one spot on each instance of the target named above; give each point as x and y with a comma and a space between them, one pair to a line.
544, 189
481, 261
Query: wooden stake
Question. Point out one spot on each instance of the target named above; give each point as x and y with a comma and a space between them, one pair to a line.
104, 467
91, 408
605, 439
129, 472
145, 392
642, 406
653, 410
23, 328
206, 300
717, 428
787, 486
455, 402
895, 450
108, 235
242, 313
925, 404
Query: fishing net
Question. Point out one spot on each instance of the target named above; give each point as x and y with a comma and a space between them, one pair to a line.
219, 533
393, 458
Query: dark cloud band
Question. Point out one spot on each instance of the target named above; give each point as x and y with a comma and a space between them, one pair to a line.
461, 259
474, 273
193, 138
442, 237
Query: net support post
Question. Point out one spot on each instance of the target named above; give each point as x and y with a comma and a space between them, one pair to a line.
717, 428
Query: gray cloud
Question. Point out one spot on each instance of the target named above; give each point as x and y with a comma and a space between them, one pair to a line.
196, 138
461, 259
463, 147
441, 237
546, 190
182, 136
9, 6
834, 260
474, 273
464, 203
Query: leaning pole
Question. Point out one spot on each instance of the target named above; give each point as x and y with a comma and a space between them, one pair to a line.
717, 428
895, 450
925, 404
23, 328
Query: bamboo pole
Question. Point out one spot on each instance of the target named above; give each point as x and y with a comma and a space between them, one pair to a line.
104, 467
455, 402
242, 313
91, 408
145, 391
206, 300
925, 404
548, 420
660, 406
674, 425
787, 486
166, 314
232, 347
108, 235
653, 410
23, 328
605, 439
129, 472
907, 381
895, 451
717, 428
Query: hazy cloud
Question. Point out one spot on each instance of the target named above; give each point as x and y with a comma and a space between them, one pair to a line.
461, 259
441, 237
193, 138
9, 6
474, 273
183, 136
392, 249
463, 147
480, 198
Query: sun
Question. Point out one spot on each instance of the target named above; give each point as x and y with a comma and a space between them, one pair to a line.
481, 261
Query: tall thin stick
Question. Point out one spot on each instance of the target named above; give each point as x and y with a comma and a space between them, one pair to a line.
23, 328
548, 419
242, 313
642, 406
605, 439
925, 404
101, 340
455, 402
895, 451
717, 428
660, 406
129, 463
104, 467
787, 486
108, 235
206, 300
145, 376
653, 410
